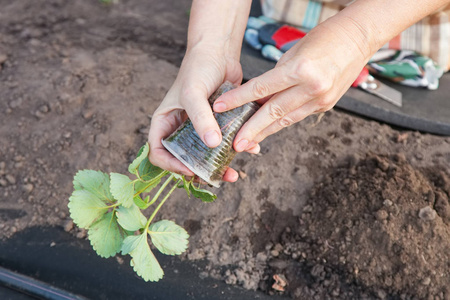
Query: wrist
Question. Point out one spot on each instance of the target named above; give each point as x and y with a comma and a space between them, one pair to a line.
358, 36
218, 25
219, 46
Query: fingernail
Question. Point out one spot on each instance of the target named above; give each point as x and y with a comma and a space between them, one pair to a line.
219, 106
212, 138
250, 146
242, 145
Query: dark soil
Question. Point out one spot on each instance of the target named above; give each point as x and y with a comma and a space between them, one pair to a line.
372, 228
79, 81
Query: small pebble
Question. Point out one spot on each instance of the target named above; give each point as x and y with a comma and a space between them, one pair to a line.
88, 113
387, 202
68, 225
11, 179
402, 137
44, 108
274, 253
426, 281
382, 214
39, 114
28, 187
81, 234
119, 260
3, 182
335, 292
52, 244
427, 213
381, 294
383, 165
278, 247
18, 158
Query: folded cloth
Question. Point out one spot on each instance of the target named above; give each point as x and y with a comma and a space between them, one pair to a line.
408, 68
429, 36
401, 66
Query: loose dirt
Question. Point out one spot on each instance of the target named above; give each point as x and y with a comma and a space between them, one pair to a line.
334, 207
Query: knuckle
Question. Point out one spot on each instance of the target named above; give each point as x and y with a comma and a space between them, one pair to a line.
298, 72
324, 103
320, 86
307, 70
200, 117
185, 98
304, 67
285, 121
275, 111
190, 92
259, 89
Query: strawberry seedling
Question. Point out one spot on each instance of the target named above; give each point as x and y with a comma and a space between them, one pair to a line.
110, 208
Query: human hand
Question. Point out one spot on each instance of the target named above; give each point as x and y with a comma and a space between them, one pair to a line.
201, 73
309, 78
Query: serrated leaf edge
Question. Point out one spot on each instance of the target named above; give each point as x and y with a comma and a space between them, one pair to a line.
132, 168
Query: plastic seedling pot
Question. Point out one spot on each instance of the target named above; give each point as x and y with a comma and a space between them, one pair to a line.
210, 164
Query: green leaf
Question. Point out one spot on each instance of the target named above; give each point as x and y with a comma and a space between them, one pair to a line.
139, 202
147, 171
146, 187
85, 207
122, 189
131, 218
168, 237
186, 185
143, 261
142, 154
106, 236
204, 195
95, 182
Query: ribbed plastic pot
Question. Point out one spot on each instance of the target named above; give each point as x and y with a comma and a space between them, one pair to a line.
207, 163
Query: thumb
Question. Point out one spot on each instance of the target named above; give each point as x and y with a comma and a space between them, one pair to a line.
195, 102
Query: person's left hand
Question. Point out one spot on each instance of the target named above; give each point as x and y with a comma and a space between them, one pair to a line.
201, 72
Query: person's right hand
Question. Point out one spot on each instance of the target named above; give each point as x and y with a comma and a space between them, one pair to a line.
202, 71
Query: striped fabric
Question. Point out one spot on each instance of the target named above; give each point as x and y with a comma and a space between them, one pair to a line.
430, 36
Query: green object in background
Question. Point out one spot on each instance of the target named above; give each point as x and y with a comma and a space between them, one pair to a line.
409, 68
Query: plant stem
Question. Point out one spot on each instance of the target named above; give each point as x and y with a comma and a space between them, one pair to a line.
162, 202
113, 205
161, 189
151, 182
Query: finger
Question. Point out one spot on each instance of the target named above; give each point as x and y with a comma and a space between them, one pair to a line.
163, 125
230, 175
163, 159
276, 109
296, 116
160, 128
195, 102
269, 83
254, 149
